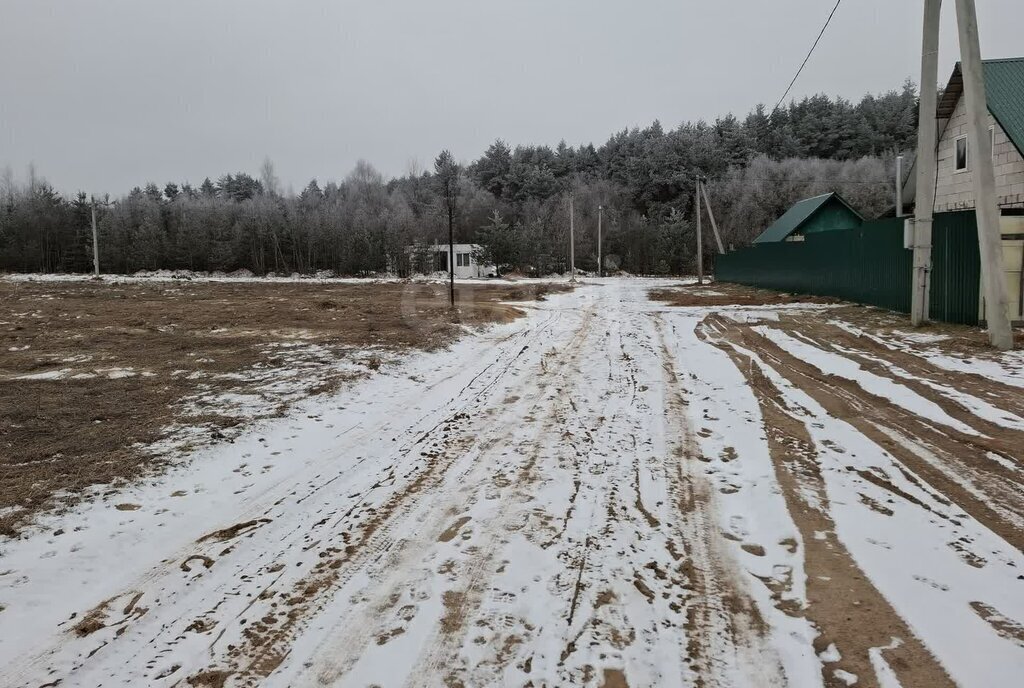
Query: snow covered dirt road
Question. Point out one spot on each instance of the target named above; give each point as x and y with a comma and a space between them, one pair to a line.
608, 492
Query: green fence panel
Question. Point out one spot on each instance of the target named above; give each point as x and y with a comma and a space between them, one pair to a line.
868, 265
956, 269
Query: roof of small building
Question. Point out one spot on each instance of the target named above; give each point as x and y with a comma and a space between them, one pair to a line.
1004, 87
794, 218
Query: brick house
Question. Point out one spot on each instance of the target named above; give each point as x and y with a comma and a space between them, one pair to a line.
954, 190
1004, 80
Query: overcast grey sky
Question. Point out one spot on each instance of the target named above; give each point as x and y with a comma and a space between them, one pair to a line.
105, 94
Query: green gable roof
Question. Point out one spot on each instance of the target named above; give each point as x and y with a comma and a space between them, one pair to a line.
1004, 82
1004, 93
797, 216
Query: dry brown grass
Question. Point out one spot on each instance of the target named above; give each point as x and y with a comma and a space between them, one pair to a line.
180, 345
723, 294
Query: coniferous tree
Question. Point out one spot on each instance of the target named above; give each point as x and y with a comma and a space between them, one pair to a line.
510, 200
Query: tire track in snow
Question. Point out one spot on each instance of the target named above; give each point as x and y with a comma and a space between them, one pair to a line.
597, 614
558, 414
942, 458
856, 619
922, 373
726, 634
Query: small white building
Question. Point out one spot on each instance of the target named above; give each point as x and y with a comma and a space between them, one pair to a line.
431, 258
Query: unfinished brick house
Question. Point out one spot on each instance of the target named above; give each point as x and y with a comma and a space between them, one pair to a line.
954, 189
1004, 81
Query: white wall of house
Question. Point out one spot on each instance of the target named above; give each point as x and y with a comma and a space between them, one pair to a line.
466, 266
1013, 267
954, 189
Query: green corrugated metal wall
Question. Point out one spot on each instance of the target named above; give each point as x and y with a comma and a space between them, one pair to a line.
956, 268
869, 265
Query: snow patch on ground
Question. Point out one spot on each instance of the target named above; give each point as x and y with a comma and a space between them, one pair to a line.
1006, 367
835, 364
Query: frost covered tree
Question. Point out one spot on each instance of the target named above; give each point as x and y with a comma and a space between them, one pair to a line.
509, 200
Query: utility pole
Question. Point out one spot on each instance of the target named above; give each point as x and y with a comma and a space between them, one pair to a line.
711, 216
572, 239
600, 267
447, 172
700, 247
899, 186
979, 147
451, 257
95, 242
927, 140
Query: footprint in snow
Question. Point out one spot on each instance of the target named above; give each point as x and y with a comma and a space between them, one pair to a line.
934, 584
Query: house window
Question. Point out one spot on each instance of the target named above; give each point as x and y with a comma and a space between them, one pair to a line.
992, 140
462, 260
960, 161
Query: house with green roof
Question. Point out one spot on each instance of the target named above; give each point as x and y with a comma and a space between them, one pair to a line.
954, 190
824, 213
954, 187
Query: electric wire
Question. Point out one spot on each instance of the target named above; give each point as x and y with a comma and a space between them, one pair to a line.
804, 63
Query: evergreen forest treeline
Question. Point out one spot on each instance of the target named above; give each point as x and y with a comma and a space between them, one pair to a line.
511, 200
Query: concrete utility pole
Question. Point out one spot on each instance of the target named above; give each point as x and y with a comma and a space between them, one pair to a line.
600, 268
711, 216
983, 176
572, 239
926, 165
95, 242
899, 186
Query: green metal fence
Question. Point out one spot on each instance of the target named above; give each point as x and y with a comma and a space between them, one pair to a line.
869, 265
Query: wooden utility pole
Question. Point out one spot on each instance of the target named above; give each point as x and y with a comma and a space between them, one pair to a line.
700, 247
927, 140
572, 239
451, 256
448, 174
979, 148
711, 216
95, 242
600, 267
899, 186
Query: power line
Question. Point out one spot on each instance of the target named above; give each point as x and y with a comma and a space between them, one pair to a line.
688, 171
798, 181
804, 63
818, 181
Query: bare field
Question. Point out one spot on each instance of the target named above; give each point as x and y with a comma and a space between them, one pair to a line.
92, 374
